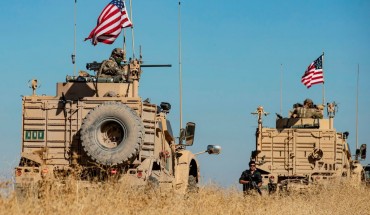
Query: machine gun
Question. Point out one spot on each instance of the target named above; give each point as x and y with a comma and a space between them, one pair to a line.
253, 185
96, 66
93, 66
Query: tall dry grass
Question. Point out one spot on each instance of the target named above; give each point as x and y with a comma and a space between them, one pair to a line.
116, 198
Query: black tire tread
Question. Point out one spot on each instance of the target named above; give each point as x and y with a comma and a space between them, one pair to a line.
131, 145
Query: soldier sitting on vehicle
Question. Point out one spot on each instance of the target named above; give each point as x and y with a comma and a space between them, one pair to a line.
112, 67
308, 110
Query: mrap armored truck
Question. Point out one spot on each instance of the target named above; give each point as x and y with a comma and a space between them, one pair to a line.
97, 126
303, 151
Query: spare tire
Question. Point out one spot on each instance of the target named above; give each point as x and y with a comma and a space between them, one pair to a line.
112, 133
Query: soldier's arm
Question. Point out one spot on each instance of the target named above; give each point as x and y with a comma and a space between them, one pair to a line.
103, 68
243, 179
294, 113
108, 67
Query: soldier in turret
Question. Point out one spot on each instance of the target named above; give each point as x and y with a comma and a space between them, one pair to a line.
112, 67
308, 110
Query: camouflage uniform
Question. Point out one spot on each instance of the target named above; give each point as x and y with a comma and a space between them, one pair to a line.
307, 111
109, 68
112, 68
303, 112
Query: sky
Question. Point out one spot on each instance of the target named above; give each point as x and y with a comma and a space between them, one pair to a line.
236, 56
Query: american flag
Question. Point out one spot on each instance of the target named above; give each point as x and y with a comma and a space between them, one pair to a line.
110, 23
314, 73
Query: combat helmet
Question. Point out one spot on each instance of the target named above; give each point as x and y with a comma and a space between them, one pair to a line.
308, 101
118, 53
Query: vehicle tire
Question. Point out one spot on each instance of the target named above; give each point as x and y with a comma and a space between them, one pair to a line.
112, 133
192, 184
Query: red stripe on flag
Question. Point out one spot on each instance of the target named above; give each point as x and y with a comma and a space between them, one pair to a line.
110, 23
314, 73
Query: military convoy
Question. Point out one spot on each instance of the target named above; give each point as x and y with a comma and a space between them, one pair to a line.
97, 126
303, 151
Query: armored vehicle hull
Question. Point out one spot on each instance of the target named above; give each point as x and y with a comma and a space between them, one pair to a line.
97, 128
302, 151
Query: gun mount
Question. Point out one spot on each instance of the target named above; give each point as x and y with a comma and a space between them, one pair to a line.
96, 66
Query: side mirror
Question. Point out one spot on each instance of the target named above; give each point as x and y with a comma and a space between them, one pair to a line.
187, 134
213, 149
361, 152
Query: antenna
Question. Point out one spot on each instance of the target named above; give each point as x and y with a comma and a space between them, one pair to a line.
132, 32
180, 65
358, 75
281, 88
73, 56
124, 45
140, 55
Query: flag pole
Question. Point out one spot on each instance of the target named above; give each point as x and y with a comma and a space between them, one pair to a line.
132, 32
323, 83
180, 65
74, 38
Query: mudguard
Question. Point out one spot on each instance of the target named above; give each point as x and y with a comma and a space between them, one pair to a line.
186, 165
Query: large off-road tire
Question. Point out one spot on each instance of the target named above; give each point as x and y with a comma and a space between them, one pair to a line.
112, 133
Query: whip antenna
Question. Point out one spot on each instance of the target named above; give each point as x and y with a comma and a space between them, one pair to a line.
180, 65
132, 32
124, 45
281, 88
73, 56
358, 75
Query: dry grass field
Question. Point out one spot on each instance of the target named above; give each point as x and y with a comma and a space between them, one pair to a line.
115, 198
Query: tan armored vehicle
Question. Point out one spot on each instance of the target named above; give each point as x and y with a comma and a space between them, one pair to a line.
366, 175
303, 149
97, 126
